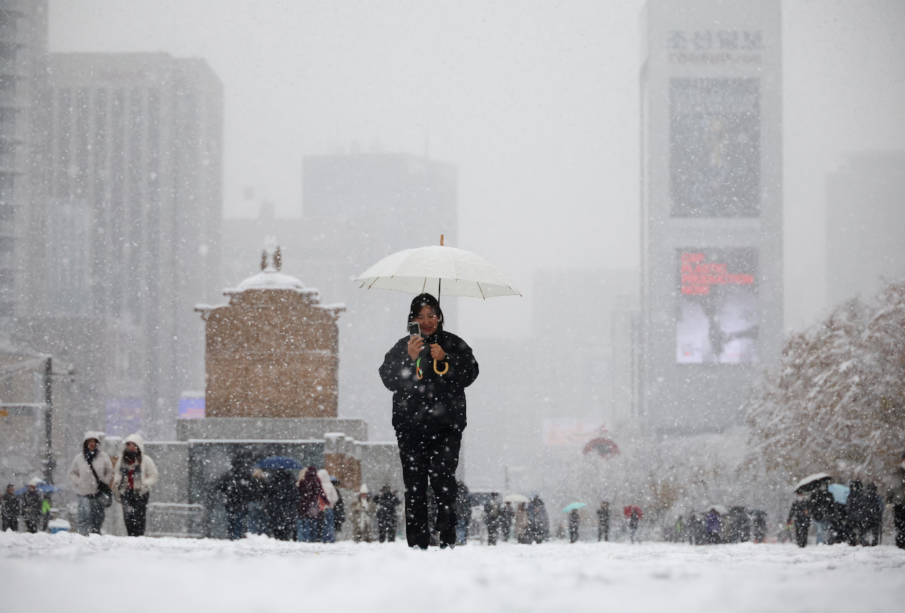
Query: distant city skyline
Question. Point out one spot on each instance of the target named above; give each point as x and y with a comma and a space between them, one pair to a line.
535, 103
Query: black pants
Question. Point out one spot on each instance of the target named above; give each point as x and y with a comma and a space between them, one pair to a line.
386, 530
603, 532
492, 533
899, 520
10, 523
801, 533
429, 459
135, 512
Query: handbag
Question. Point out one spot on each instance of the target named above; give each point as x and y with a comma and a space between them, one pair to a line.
104, 493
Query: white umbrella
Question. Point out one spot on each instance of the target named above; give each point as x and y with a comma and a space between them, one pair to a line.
517, 498
812, 479
719, 509
438, 271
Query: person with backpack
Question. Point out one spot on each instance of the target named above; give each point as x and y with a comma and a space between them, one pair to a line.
90, 476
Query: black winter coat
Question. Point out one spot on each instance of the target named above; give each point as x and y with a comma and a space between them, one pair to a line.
858, 507
11, 507
240, 489
603, 517
823, 505
434, 403
800, 513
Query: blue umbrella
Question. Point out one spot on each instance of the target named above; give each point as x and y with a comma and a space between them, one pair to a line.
839, 492
279, 462
44, 488
574, 507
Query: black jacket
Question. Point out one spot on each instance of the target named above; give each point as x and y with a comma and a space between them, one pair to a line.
386, 502
434, 403
858, 505
11, 507
800, 513
823, 505
239, 488
603, 517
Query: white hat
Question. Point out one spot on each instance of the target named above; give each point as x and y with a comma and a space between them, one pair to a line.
363, 489
35, 481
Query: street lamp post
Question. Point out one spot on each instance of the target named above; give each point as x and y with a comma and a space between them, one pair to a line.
49, 461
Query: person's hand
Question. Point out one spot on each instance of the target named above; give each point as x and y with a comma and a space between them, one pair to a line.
437, 353
416, 343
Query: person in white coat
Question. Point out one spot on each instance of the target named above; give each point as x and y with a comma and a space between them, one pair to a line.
133, 479
84, 481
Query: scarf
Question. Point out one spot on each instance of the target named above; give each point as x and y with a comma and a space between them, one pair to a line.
131, 472
90, 455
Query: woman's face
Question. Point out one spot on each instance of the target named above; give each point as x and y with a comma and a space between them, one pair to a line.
427, 320
132, 447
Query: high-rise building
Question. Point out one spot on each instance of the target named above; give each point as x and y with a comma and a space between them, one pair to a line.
130, 226
23, 58
865, 222
711, 134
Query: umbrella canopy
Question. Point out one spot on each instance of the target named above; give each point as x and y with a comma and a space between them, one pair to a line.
42, 487
627, 511
574, 507
603, 447
811, 481
719, 509
840, 492
437, 271
279, 462
517, 498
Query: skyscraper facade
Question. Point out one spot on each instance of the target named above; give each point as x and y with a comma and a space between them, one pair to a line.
23, 67
131, 220
711, 133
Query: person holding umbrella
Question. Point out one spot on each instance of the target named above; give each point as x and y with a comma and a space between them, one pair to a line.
428, 373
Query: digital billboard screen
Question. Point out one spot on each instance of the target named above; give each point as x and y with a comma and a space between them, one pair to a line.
714, 148
718, 314
124, 416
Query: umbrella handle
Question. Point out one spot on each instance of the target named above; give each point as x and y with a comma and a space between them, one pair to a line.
446, 370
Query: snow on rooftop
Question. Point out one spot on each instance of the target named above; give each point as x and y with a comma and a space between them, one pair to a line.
271, 279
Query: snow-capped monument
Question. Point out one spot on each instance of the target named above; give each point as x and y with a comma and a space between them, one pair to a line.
272, 363
273, 350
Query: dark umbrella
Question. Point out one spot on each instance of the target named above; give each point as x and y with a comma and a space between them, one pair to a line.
279, 462
603, 447
811, 482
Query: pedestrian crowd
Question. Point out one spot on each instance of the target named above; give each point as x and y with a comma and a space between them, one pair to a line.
850, 514
26, 506
305, 506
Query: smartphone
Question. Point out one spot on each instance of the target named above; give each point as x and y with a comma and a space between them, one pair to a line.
414, 329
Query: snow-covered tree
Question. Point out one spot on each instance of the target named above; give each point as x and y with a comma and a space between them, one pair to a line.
837, 401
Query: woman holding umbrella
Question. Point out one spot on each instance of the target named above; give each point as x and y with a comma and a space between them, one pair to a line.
428, 374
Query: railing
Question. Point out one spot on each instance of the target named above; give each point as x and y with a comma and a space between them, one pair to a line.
172, 519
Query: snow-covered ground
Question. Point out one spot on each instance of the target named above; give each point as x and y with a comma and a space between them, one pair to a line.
69, 573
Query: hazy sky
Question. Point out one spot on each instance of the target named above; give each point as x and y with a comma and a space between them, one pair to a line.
536, 102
